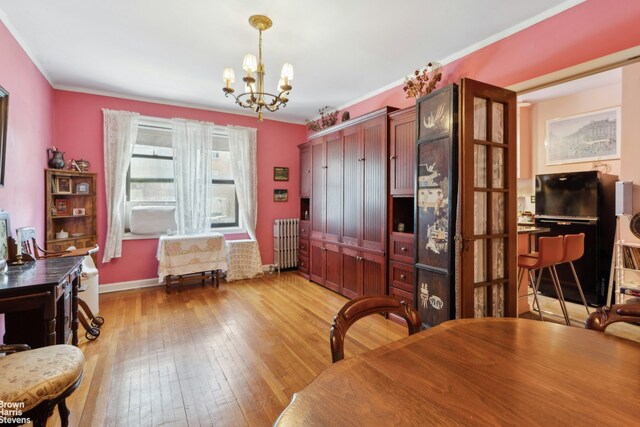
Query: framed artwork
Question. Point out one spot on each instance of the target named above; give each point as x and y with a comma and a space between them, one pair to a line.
4, 122
5, 232
280, 195
63, 185
82, 188
78, 211
62, 207
280, 174
434, 114
584, 137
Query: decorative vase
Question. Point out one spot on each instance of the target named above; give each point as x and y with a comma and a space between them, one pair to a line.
56, 159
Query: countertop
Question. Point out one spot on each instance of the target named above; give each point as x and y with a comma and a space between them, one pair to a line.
527, 229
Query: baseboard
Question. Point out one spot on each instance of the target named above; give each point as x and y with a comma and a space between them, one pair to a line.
126, 286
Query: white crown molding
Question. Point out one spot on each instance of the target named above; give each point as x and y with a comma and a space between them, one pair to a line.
242, 112
12, 30
476, 46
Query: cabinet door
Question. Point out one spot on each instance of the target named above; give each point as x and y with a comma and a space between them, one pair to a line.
352, 186
401, 152
374, 176
317, 271
374, 273
333, 191
317, 189
351, 273
488, 230
305, 171
333, 262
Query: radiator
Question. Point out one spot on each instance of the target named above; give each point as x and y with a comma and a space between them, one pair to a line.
285, 243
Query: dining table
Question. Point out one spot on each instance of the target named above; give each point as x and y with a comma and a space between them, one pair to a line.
489, 371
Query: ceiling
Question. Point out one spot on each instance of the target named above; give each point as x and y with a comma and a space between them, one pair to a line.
174, 52
603, 79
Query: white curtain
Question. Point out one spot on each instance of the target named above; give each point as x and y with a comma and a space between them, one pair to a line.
242, 148
120, 133
192, 155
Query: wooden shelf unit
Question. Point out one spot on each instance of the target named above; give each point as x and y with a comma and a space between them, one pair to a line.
84, 225
624, 275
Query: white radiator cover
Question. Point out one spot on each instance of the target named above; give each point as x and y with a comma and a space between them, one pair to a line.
285, 243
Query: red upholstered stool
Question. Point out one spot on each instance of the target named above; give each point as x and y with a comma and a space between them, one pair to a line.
550, 252
573, 250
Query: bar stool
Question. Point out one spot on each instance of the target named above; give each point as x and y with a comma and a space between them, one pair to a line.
573, 245
550, 252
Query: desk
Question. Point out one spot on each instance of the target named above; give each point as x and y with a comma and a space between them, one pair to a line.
40, 301
188, 254
479, 372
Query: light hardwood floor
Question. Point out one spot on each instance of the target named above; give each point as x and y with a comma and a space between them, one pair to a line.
231, 356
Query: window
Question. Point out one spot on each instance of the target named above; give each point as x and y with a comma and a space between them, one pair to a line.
150, 175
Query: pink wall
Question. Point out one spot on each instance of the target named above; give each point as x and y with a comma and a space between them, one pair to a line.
28, 137
78, 131
588, 31
29, 134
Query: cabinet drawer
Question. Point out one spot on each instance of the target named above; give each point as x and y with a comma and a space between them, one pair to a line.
305, 229
401, 295
303, 247
401, 276
401, 247
303, 264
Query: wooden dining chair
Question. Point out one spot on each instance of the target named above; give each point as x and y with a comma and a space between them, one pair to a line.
38, 380
360, 307
605, 316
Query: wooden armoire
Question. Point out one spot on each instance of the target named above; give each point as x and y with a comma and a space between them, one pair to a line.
379, 217
343, 203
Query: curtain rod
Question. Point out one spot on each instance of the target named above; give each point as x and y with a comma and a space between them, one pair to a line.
162, 123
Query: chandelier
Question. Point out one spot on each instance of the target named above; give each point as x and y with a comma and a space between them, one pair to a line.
254, 95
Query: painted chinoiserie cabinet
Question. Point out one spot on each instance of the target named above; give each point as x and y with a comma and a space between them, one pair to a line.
465, 217
346, 205
436, 202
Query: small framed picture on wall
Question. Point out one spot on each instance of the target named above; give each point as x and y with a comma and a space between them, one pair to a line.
280, 173
280, 195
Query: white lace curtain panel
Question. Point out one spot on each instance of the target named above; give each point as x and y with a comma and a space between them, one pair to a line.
193, 144
242, 148
192, 154
120, 133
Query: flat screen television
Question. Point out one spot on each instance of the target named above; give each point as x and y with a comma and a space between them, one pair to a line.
572, 194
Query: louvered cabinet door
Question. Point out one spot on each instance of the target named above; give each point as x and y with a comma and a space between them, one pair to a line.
374, 273
333, 172
318, 187
402, 141
351, 186
488, 148
351, 273
374, 175
305, 171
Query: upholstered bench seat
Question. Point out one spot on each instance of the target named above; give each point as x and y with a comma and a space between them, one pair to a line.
43, 374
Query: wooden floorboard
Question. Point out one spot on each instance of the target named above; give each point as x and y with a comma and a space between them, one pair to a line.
231, 356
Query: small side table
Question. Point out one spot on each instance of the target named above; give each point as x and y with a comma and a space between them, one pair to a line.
185, 257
